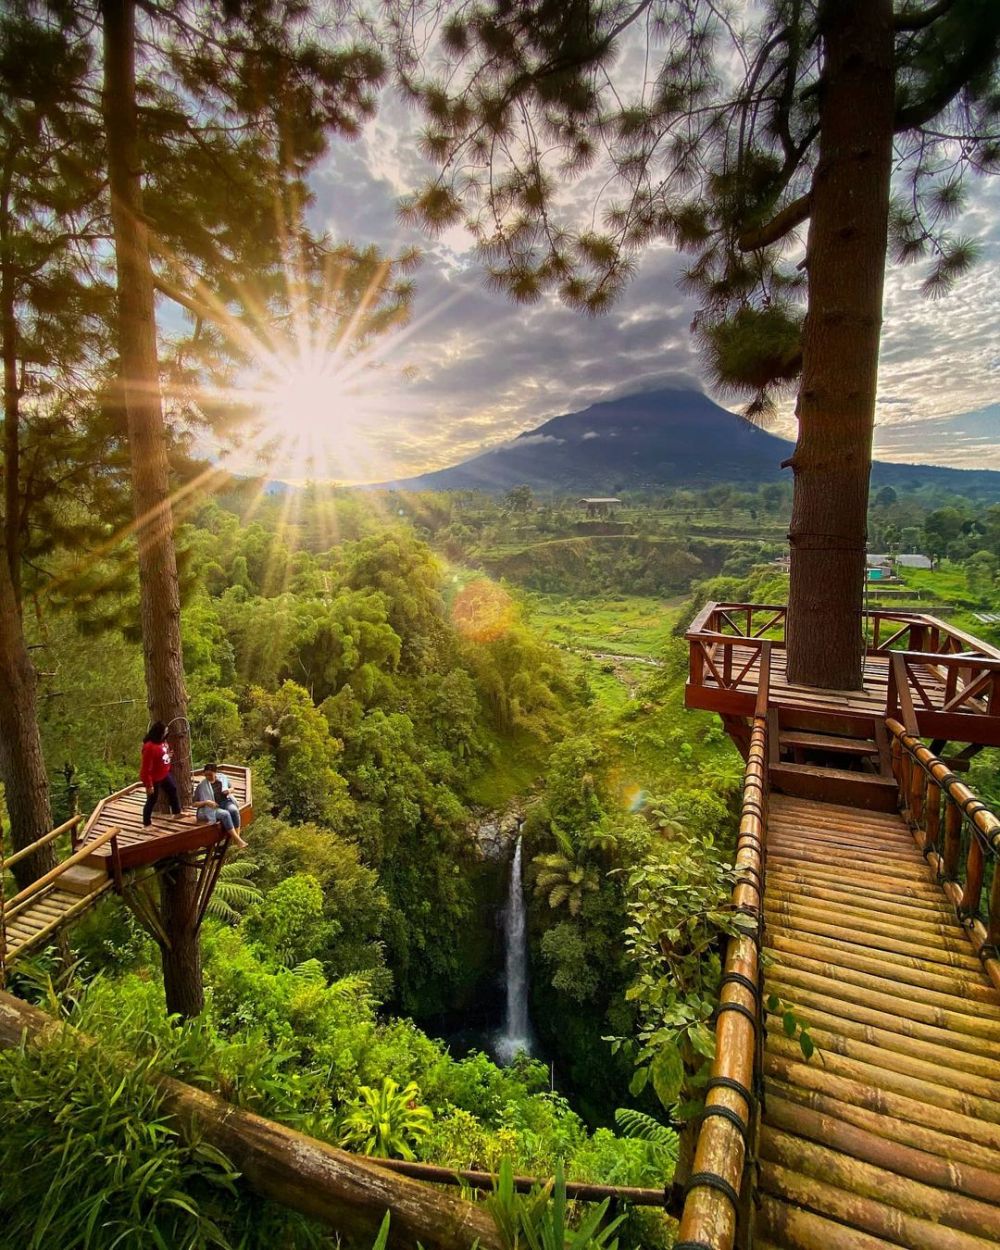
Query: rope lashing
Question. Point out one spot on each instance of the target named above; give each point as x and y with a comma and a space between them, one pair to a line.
729, 1082
709, 1180
738, 978
727, 1113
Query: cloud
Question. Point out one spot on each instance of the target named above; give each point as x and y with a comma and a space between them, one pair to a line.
484, 369
533, 440
591, 434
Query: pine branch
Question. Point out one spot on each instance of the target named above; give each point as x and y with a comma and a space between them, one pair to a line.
920, 20
978, 56
783, 223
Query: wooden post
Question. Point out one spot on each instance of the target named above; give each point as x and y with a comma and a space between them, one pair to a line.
905, 786
932, 815
952, 839
918, 781
993, 914
116, 865
974, 867
696, 663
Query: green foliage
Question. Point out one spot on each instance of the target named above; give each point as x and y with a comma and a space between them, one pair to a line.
301, 753
680, 915
541, 1220
91, 1160
386, 1122
289, 923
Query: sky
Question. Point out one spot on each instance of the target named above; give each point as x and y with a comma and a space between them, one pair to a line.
473, 370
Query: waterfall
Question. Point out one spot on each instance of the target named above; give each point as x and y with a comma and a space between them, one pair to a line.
516, 1035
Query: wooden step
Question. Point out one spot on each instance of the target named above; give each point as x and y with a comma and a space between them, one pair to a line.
827, 742
836, 785
83, 879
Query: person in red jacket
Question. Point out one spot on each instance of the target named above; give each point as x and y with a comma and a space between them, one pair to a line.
154, 772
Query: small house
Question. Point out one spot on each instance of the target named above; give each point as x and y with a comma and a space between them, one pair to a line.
599, 507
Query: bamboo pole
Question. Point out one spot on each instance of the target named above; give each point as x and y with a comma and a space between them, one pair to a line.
348, 1193
945, 1167
576, 1190
896, 1107
44, 840
18, 901
865, 1110
878, 1179
710, 1216
986, 838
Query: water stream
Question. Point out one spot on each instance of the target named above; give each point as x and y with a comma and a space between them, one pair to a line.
516, 1035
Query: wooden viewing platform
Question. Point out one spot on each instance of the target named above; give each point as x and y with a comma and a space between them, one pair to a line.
108, 854
168, 835
878, 931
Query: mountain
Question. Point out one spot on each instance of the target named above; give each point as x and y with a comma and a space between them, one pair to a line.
668, 437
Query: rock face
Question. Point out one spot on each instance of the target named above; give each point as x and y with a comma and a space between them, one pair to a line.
495, 834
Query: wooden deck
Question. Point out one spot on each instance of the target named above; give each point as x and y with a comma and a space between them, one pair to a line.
168, 835
943, 683
890, 1135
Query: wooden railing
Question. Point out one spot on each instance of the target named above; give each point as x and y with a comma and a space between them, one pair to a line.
741, 620
952, 687
958, 835
718, 1200
718, 627
916, 631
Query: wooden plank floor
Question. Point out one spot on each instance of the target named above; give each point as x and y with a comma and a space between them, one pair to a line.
890, 1134
870, 700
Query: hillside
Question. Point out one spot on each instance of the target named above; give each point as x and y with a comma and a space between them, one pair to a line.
661, 438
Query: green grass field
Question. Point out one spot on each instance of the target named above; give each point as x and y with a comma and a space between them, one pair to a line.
626, 625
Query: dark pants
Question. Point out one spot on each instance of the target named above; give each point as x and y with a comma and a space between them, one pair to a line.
167, 787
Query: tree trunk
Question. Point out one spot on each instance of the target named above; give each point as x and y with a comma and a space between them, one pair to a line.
848, 226
348, 1193
11, 392
159, 593
22, 766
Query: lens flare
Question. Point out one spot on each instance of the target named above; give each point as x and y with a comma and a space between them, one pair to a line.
483, 611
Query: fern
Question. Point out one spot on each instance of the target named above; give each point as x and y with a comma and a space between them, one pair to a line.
233, 894
645, 1128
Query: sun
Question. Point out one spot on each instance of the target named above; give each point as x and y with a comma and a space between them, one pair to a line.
322, 415
304, 398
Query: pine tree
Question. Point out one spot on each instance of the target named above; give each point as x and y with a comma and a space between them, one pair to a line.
47, 301
256, 69
723, 130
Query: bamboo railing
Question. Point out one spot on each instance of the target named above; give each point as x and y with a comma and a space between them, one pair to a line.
959, 837
718, 1197
12, 908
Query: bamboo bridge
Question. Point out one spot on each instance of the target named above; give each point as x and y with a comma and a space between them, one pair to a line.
869, 890
113, 852
868, 879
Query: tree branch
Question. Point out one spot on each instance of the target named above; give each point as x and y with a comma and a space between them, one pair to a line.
919, 20
791, 215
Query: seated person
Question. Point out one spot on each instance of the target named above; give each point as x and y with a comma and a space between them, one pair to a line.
222, 788
208, 811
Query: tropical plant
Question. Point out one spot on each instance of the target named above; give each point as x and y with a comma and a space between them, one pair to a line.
386, 1122
562, 877
540, 1220
645, 1128
234, 893
680, 915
